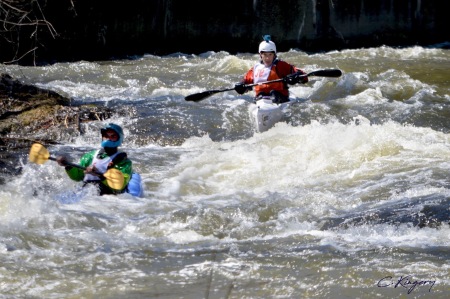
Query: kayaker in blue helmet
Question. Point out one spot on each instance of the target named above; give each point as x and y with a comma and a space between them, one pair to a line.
270, 68
99, 161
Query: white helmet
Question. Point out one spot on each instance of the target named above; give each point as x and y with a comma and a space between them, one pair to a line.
267, 45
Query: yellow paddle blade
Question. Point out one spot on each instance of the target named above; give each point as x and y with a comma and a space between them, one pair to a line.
115, 178
38, 154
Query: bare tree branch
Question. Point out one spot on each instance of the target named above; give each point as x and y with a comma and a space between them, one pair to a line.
14, 61
18, 14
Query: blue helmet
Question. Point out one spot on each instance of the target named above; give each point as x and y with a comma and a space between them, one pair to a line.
115, 128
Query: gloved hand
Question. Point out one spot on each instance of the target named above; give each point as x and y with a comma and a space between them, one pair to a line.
303, 78
61, 160
240, 88
296, 78
91, 170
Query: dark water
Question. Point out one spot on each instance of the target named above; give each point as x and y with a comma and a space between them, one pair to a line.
347, 197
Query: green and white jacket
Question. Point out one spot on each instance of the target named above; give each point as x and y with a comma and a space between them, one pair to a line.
103, 162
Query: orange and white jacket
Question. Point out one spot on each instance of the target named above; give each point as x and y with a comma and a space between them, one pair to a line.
278, 70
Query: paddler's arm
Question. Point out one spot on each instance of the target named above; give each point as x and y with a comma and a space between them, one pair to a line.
240, 87
75, 173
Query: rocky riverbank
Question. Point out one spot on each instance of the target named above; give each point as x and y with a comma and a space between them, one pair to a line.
30, 114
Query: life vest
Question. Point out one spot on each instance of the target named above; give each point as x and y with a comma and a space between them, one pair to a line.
262, 73
134, 187
101, 164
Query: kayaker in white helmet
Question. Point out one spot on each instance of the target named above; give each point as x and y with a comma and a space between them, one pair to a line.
271, 68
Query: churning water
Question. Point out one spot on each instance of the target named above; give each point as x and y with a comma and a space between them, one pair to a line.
347, 197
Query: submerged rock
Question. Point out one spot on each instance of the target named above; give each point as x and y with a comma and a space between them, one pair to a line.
423, 211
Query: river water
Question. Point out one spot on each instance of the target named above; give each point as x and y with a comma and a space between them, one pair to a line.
347, 197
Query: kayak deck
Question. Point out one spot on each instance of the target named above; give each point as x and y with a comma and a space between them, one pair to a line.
265, 114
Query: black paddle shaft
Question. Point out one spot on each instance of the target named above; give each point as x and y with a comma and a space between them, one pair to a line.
196, 97
66, 163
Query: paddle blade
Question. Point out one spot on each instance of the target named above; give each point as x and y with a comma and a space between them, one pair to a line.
196, 97
38, 154
327, 73
115, 179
